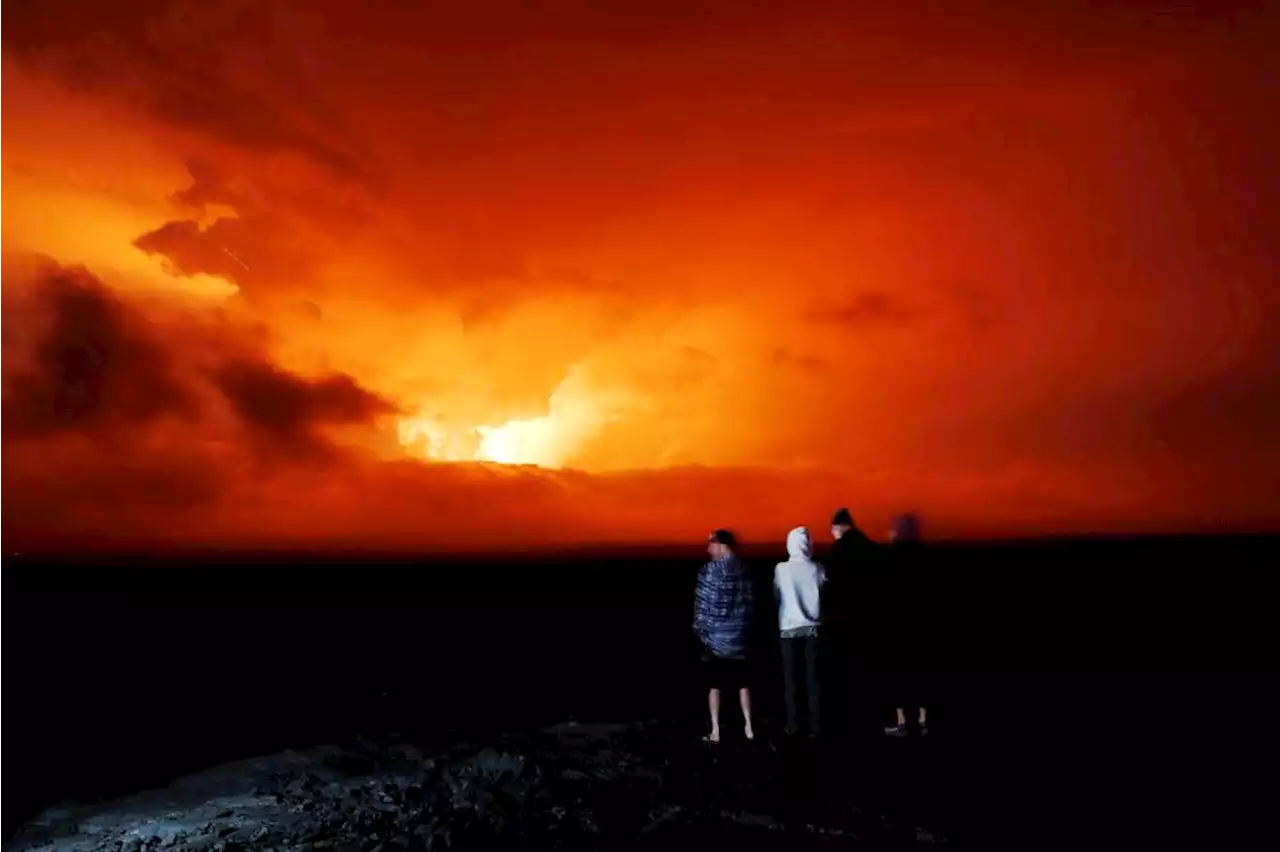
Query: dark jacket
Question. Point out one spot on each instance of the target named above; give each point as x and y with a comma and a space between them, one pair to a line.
904, 591
906, 624
851, 574
852, 550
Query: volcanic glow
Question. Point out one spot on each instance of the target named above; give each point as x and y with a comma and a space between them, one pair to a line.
519, 442
577, 412
301, 271
530, 441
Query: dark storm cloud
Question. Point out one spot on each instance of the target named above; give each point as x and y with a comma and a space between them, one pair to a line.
86, 381
92, 367
80, 360
191, 250
254, 247
208, 186
254, 74
227, 69
285, 409
870, 309
237, 249
113, 417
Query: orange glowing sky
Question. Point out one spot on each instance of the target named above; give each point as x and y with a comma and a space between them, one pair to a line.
320, 272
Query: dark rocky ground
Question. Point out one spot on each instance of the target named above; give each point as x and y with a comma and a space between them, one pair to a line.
1091, 691
573, 786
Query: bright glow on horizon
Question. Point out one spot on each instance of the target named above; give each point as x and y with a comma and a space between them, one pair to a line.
530, 441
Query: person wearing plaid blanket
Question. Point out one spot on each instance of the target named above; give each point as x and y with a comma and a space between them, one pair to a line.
724, 606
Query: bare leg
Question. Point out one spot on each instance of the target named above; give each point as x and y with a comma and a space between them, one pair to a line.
744, 699
924, 717
713, 704
902, 716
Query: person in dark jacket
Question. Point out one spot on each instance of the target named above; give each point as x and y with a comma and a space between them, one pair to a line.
850, 614
851, 544
723, 608
851, 554
906, 678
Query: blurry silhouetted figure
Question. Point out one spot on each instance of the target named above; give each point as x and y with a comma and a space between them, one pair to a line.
851, 553
724, 605
797, 584
904, 537
851, 544
849, 613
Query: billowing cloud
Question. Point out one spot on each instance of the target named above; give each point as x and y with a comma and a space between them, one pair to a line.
90, 367
112, 403
189, 65
321, 271
284, 408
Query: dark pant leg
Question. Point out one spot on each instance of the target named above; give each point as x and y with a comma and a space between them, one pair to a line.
912, 712
909, 692
790, 676
813, 683
908, 698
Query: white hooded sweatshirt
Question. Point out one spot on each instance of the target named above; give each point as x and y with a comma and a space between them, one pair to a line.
798, 583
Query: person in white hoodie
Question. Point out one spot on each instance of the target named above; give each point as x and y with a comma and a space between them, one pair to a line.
797, 584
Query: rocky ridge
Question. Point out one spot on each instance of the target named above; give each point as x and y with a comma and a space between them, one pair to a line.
568, 787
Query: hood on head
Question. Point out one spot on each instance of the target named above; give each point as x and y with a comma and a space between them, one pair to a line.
799, 544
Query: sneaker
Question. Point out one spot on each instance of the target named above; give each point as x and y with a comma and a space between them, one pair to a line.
896, 731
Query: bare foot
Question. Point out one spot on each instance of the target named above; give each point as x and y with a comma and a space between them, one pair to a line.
713, 737
749, 733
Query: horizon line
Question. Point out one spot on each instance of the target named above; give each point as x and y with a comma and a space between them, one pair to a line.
158, 549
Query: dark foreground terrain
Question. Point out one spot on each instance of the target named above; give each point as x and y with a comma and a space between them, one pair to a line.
571, 786
1117, 689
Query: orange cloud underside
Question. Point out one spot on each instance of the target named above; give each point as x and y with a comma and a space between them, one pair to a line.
631, 275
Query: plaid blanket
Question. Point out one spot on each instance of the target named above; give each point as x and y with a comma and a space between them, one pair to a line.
723, 607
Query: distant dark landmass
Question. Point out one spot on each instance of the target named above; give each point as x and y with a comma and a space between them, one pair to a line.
123, 670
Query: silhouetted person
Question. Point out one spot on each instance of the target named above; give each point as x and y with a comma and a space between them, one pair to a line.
724, 604
904, 538
851, 544
851, 554
797, 585
848, 611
